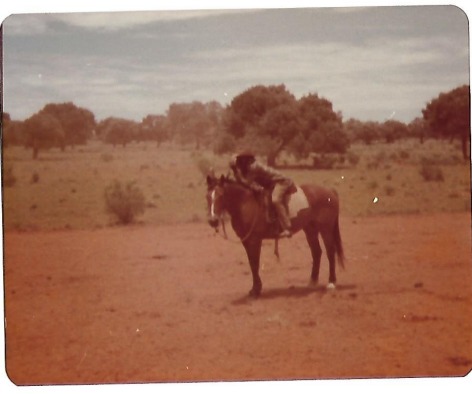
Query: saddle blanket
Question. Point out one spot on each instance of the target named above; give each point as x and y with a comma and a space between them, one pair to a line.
296, 202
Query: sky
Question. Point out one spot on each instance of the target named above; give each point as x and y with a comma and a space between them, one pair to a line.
372, 63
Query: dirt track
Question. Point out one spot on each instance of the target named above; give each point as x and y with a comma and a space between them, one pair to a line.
154, 304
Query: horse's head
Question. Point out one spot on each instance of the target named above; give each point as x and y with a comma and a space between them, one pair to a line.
215, 193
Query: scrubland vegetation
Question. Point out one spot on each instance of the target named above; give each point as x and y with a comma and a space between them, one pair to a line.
66, 189
63, 169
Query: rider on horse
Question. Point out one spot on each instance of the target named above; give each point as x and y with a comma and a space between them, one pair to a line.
259, 178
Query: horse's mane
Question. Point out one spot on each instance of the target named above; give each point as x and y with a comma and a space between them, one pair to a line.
230, 180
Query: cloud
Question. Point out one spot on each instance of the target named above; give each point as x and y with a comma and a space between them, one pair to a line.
368, 81
141, 68
30, 25
34, 24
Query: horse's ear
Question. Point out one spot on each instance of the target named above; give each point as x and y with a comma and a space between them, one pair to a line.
222, 179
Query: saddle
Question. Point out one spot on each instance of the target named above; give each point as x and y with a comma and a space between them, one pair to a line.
271, 212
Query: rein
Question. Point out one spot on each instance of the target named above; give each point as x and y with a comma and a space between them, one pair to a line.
241, 239
248, 234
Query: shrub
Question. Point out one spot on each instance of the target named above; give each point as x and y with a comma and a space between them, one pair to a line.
106, 157
203, 164
389, 190
324, 162
9, 179
124, 201
404, 154
353, 158
373, 185
35, 177
431, 172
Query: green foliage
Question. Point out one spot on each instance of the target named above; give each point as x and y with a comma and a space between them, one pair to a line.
194, 123
449, 115
269, 120
370, 132
12, 132
324, 162
418, 128
124, 201
77, 123
43, 131
393, 130
154, 128
321, 128
117, 131
264, 119
358, 131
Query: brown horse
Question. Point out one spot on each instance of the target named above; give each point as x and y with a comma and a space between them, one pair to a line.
313, 209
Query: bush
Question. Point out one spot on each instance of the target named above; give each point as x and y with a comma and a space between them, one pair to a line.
353, 158
9, 179
404, 154
106, 157
431, 172
35, 177
204, 165
125, 202
389, 190
324, 162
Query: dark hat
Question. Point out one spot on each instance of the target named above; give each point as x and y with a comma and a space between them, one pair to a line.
245, 158
246, 153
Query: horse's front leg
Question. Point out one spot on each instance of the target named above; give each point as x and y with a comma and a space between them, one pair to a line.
315, 248
253, 251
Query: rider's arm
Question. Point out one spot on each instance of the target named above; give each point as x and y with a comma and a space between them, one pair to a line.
245, 181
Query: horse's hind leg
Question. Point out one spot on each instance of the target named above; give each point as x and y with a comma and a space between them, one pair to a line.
311, 234
329, 243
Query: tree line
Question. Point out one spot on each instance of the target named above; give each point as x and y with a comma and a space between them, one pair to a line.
267, 119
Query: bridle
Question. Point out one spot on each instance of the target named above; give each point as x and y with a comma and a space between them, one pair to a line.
221, 220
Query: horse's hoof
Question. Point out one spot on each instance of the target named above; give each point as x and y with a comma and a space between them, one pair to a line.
331, 286
313, 284
254, 293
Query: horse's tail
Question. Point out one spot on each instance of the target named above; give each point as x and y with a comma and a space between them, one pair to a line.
338, 245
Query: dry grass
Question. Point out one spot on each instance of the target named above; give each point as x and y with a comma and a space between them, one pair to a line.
68, 191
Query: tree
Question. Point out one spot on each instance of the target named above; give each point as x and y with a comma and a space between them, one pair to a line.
264, 118
449, 115
194, 123
393, 130
117, 131
418, 128
12, 131
43, 131
321, 128
77, 123
366, 132
269, 120
153, 128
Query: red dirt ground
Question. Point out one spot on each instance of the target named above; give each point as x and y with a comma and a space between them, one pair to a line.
167, 304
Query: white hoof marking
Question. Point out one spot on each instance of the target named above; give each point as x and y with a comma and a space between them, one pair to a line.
331, 286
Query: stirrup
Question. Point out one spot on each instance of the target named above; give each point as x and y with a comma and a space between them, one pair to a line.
285, 234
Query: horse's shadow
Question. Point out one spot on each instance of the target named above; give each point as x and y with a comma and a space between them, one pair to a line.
292, 292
